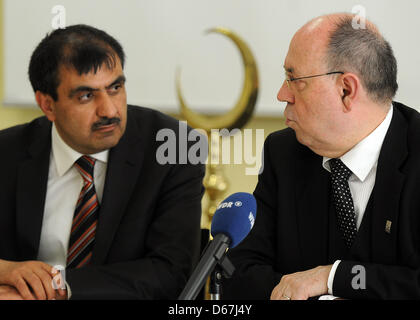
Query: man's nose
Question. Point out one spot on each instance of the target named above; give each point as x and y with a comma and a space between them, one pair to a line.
106, 107
285, 94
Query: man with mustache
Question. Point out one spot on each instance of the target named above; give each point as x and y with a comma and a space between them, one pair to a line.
338, 200
82, 188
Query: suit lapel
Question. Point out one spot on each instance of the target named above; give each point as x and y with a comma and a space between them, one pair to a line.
312, 198
125, 161
387, 191
31, 188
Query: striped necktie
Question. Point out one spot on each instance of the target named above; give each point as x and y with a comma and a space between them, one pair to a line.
85, 217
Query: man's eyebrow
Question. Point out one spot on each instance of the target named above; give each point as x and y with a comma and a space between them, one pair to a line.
73, 92
120, 79
289, 69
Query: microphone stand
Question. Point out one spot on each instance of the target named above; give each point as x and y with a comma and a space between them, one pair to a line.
224, 268
214, 254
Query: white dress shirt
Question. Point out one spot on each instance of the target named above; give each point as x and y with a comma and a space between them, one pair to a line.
362, 160
64, 186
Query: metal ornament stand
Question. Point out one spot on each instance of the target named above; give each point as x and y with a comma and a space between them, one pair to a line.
237, 117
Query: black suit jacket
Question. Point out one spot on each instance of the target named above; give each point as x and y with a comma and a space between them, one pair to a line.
291, 228
148, 233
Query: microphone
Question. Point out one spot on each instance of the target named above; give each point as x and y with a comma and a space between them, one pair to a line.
232, 221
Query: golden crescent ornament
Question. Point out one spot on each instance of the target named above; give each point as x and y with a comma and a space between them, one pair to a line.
239, 115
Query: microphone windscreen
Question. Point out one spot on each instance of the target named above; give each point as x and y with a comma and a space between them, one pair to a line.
235, 217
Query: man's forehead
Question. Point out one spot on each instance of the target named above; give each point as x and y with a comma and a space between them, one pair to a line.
304, 55
69, 75
294, 62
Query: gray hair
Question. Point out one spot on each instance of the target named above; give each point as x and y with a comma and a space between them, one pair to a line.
367, 54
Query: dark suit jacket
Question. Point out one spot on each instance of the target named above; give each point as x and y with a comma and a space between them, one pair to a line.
148, 233
291, 229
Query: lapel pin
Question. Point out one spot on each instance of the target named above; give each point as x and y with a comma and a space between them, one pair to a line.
388, 226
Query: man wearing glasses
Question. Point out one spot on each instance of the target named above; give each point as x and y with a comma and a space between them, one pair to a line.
338, 200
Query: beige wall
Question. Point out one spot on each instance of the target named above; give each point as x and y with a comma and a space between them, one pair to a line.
11, 115
235, 174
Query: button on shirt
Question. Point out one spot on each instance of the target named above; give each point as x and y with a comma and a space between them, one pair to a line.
362, 160
64, 186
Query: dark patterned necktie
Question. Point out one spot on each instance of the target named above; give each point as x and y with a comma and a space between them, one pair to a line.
85, 217
343, 201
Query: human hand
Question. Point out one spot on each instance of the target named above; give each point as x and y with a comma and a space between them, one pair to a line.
9, 293
31, 279
302, 285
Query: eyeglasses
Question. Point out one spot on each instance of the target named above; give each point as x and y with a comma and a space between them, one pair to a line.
288, 80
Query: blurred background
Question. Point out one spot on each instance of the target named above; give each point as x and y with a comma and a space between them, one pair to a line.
162, 36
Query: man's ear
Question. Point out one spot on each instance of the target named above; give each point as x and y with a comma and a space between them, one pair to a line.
349, 89
46, 103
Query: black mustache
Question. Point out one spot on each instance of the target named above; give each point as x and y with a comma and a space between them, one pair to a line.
105, 122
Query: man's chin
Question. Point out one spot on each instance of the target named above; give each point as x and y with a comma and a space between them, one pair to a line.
105, 143
301, 138
109, 143
309, 143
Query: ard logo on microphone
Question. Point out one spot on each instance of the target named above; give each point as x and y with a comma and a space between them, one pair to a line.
229, 204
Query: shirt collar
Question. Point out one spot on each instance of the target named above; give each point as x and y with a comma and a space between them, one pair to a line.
361, 159
64, 156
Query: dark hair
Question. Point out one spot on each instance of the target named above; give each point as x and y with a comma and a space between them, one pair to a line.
82, 47
365, 52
